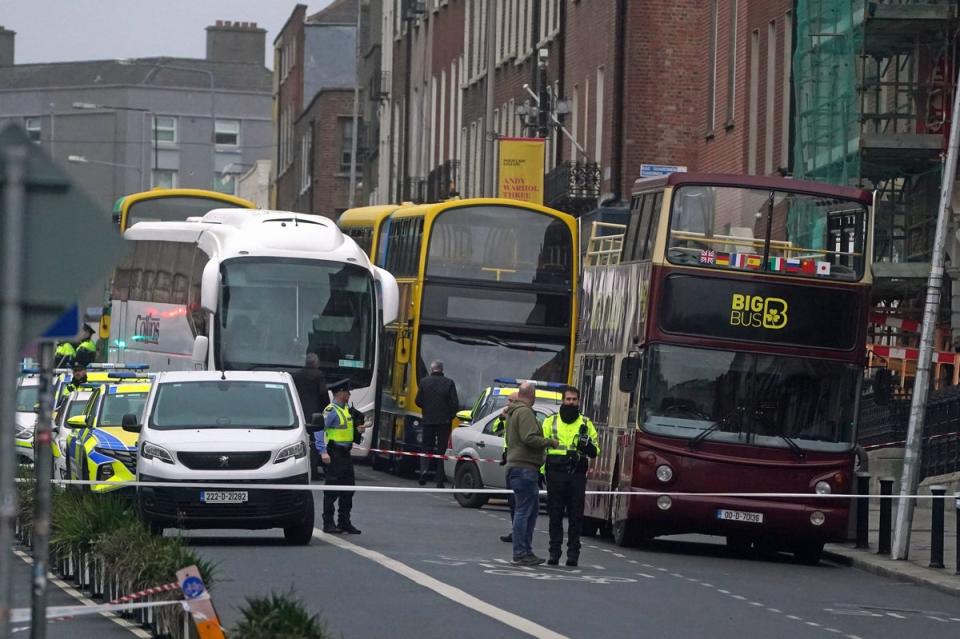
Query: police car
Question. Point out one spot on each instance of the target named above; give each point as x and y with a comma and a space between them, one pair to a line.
233, 427
25, 420
73, 406
97, 446
475, 448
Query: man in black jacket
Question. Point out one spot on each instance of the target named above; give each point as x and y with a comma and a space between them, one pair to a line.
312, 389
437, 398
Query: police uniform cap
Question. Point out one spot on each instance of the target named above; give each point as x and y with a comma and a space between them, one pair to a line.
86, 328
344, 385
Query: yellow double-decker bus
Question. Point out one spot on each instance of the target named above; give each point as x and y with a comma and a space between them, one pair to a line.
487, 286
365, 226
163, 205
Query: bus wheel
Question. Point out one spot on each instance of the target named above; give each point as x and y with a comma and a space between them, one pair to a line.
808, 553
379, 463
467, 476
626, 532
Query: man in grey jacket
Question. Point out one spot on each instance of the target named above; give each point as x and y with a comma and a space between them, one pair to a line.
525, 455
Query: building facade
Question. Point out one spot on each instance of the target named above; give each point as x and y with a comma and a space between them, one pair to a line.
122, 126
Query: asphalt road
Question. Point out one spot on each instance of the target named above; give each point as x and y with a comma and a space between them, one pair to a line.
426, 567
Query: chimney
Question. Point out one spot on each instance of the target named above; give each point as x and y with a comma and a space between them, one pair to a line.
236, 42
6, 47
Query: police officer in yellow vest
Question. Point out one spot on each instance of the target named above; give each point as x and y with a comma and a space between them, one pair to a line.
566, 470
86, 348
339, 435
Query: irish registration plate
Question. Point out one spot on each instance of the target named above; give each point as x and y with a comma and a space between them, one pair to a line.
739, 515
223, 496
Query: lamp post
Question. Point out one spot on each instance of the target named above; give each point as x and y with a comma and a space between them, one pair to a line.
91, 106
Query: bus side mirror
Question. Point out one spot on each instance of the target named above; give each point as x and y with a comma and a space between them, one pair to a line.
201, 345
389, 295
210, 286
130, 423
882, 386
630, 372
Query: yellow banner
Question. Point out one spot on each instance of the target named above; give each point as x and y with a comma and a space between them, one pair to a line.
521, 169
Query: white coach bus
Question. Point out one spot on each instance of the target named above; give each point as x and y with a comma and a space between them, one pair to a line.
251, 290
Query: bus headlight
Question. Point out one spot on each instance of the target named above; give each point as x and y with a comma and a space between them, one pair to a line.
823, 488
664, 502
664, 473
817, 518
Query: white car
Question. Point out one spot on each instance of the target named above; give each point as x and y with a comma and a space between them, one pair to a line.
73, 406
235, 427
25, 420
476, 441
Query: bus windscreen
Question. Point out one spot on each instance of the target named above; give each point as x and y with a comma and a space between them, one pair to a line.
173, 208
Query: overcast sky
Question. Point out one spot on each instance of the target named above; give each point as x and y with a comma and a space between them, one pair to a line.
63, 30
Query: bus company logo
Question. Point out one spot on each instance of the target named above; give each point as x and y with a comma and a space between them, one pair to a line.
147, 329
756, 311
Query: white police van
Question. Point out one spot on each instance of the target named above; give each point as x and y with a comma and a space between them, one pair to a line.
235, 427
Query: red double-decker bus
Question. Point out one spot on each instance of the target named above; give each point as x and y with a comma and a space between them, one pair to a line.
724, 353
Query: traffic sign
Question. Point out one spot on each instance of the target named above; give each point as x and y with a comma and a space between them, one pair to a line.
69, 243
67, 326
657, 170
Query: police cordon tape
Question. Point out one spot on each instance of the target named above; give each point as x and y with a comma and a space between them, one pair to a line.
62, 613
903, 441
471, 491
405, 453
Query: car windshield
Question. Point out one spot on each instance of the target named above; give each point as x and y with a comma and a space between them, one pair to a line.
273, 311
474, 361
27, 398
766, 400
115, 406
771, 231
222, 404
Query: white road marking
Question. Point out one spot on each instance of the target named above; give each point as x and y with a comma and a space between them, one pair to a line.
722, 591
794, 617
756, 603
703, 583
812, 623
646, 575
455, 595
616, 554
832, 630
775, 610
740, 597
676, 574
134, 629
895, 615
937, 619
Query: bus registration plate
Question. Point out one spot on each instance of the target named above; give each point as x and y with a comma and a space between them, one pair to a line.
739, 515
223, 496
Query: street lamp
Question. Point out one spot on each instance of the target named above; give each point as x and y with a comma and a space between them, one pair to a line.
91, 106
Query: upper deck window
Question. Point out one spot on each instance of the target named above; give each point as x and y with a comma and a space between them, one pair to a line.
501, 244
768, 231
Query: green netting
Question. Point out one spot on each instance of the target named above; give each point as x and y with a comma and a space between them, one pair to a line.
829, 39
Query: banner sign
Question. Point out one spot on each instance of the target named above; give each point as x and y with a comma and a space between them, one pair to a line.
521, 169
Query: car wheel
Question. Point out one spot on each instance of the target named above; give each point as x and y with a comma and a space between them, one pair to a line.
467, 476
155, 527
301, 533
808, 553
626, 532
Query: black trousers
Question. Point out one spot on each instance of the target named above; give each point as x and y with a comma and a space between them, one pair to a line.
339, 473
434, 441
565, 495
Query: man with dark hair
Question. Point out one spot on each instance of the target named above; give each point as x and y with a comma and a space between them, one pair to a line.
314, 397
437, 397
576, 442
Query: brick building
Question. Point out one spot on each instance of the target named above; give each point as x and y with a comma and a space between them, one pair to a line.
315, 72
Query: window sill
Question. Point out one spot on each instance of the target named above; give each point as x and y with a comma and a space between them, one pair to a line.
710, 135
227, 148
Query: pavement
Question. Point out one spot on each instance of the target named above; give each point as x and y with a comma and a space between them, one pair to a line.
916, 568
426, 567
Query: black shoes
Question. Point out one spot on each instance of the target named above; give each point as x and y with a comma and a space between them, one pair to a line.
572, 562
507, 538
332, 529
528, 560
554, 561
422, 479
350, 529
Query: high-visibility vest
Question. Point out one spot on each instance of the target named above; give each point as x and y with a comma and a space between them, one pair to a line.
568, 434
342, 433
86, 351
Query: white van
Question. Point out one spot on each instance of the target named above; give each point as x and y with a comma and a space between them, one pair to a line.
236, 427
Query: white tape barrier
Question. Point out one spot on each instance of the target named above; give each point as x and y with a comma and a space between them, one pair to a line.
22, 615
471, 491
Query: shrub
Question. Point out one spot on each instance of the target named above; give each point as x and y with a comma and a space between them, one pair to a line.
278, 616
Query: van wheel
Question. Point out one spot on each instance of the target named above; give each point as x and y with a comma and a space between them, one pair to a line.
808, 553
626, 532
467, 476
301, 533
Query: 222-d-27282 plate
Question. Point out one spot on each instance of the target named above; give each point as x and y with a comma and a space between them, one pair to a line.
739, 515
223, 496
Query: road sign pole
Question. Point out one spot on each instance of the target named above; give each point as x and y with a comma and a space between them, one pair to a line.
921, 383
42, 469
14, 205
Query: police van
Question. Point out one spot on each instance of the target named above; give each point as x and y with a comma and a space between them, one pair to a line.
241, 428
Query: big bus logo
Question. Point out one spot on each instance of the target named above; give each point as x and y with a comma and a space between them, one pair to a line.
147, 329
756, 311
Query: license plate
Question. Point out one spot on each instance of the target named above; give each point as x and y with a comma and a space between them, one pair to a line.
223, 496
739, 515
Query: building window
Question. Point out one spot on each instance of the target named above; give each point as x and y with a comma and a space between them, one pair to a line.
306, 160
754, 106
164, 179
165, 129
598, 117
225, 183
732, 66
712, 70
346, 144
227, 133
771, 97
786, 92
34, 128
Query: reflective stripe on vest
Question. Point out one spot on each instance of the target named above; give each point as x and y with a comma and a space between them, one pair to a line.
342, 433
563, 449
